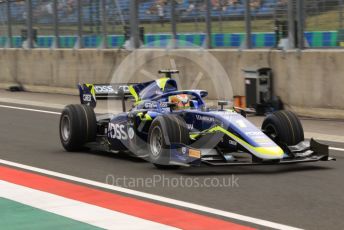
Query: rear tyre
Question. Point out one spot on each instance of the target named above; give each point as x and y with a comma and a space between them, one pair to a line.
283, 127
78, 126
163, 131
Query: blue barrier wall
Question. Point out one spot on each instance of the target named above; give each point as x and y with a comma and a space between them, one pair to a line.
325, 39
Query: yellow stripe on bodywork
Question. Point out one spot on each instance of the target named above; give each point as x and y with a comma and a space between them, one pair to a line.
146, 117
92, 90
195, 135
270, 151
162, 83
133, 93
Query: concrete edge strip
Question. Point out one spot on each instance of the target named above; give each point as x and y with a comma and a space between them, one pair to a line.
76, 210
31, 103
40, 104
337, 149
28, 109
153, 197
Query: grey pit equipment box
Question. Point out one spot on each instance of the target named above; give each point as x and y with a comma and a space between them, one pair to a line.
258, 89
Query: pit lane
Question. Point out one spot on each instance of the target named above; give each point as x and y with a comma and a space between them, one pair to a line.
305, 196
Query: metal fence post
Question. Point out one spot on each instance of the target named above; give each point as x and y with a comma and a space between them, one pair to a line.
173, 23
134, 33
301, 24
104, 24
29, 24
341, 14
79, 43
98, 8
248, 28
90, 13
56, 43
208, 23
9, 24
291, 24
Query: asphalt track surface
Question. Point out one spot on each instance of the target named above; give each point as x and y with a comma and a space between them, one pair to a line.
306, 196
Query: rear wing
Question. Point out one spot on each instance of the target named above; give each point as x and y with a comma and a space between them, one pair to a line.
90, 93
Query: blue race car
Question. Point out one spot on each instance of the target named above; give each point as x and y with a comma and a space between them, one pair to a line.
173, 128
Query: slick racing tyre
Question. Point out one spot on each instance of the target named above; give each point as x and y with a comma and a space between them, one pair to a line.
78, 126
163, 131
283, 127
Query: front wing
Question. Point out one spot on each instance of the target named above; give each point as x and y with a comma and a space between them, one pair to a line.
306, 151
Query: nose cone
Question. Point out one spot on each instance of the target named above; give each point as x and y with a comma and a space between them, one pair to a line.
268, 153
260, 145
252, 138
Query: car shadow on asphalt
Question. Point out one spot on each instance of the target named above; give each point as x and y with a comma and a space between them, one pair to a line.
247, 170
205, 170
117, 156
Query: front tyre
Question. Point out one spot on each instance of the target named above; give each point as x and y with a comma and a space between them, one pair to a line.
163, 131
78, 126
283, 127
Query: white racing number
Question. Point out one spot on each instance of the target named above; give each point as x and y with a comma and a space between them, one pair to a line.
117, 131
87, 97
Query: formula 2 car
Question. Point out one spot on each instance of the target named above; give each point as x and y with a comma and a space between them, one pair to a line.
173, 128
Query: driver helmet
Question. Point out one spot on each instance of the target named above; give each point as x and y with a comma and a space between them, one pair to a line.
181, 101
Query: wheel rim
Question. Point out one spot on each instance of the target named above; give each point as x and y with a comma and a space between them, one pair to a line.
65, 128
271, 131
156, 141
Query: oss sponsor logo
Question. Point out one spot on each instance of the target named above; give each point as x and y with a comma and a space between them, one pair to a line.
119, 132
104, 89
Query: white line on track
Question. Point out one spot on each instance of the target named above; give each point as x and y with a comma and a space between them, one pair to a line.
158, 198
336, 149
28, 109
